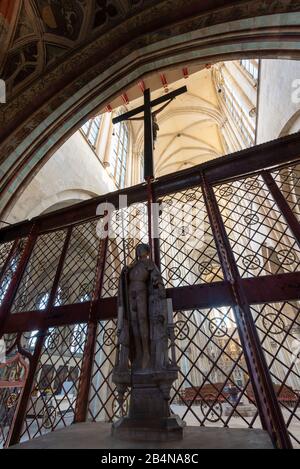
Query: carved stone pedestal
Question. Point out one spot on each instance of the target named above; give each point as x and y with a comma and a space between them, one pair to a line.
149, 417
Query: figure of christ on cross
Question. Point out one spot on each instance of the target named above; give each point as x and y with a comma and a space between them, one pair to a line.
150, 135
151, 127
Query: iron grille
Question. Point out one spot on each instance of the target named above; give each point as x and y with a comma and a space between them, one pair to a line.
128, 227
5, 249
12, 371
278, 326
34, 289
78, 275
52, 403
103, 404
188, 252
261, 240
288, 181
213, 388
8, 273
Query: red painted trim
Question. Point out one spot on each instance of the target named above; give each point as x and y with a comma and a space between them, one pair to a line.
185, 72
125, 98
142, 86
164, 81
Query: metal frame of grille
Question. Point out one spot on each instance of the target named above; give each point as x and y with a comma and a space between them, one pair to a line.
52, 406
210, 357
188, 252
249, 255
278, 326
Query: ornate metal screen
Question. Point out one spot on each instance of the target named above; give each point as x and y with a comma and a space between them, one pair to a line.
214, 386
229, 251
34, 289
278, 326
103, 405
52, 402
259, 236
188, 251
127, 228
78, 275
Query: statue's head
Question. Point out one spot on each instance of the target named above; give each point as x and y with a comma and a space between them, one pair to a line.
142, 250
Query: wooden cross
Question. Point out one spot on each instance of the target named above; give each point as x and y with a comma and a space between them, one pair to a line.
149, 124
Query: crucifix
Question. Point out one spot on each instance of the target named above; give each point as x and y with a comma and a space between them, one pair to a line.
150, 134
150, 124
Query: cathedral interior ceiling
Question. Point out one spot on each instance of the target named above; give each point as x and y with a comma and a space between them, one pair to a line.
189, 127
52, 49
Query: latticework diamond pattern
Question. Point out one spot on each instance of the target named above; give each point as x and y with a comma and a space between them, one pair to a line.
188, 252
103, 405
213, 386
11, 267
52, 403
278, 326
128, 228
5, 249
35, 286
288, 181
80, 265
261, 240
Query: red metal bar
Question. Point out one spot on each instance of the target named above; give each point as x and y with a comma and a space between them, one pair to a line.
142, 86
51, 300
266, 400
282, 204
150, 218
272, 288
82, 401
125, 98
258, 290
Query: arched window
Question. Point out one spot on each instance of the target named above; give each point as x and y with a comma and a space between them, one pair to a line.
91, 130
251, 66
231, 99
119, 153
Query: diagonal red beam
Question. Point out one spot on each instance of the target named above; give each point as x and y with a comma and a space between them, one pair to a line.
185, 72
125, 98
142, 86
164, 81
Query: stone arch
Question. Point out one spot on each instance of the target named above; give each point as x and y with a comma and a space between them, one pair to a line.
292, 125
58, 201
250, 29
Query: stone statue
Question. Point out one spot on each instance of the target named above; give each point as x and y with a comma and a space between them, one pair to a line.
142, 298
145, 325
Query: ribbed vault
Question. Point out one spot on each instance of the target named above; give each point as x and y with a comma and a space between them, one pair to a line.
98, 65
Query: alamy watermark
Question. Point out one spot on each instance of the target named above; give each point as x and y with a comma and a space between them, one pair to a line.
296, 92
186, 219
2, 92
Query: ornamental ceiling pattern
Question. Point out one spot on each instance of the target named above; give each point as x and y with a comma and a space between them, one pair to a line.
38, 34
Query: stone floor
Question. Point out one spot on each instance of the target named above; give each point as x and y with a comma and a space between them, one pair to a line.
97, 436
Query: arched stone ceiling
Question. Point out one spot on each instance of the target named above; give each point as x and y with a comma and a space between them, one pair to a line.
143, 36
189, 127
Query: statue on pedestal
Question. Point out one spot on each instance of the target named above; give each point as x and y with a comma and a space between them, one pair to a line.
145, 326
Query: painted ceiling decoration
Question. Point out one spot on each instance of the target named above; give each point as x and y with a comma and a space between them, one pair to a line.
42, 31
